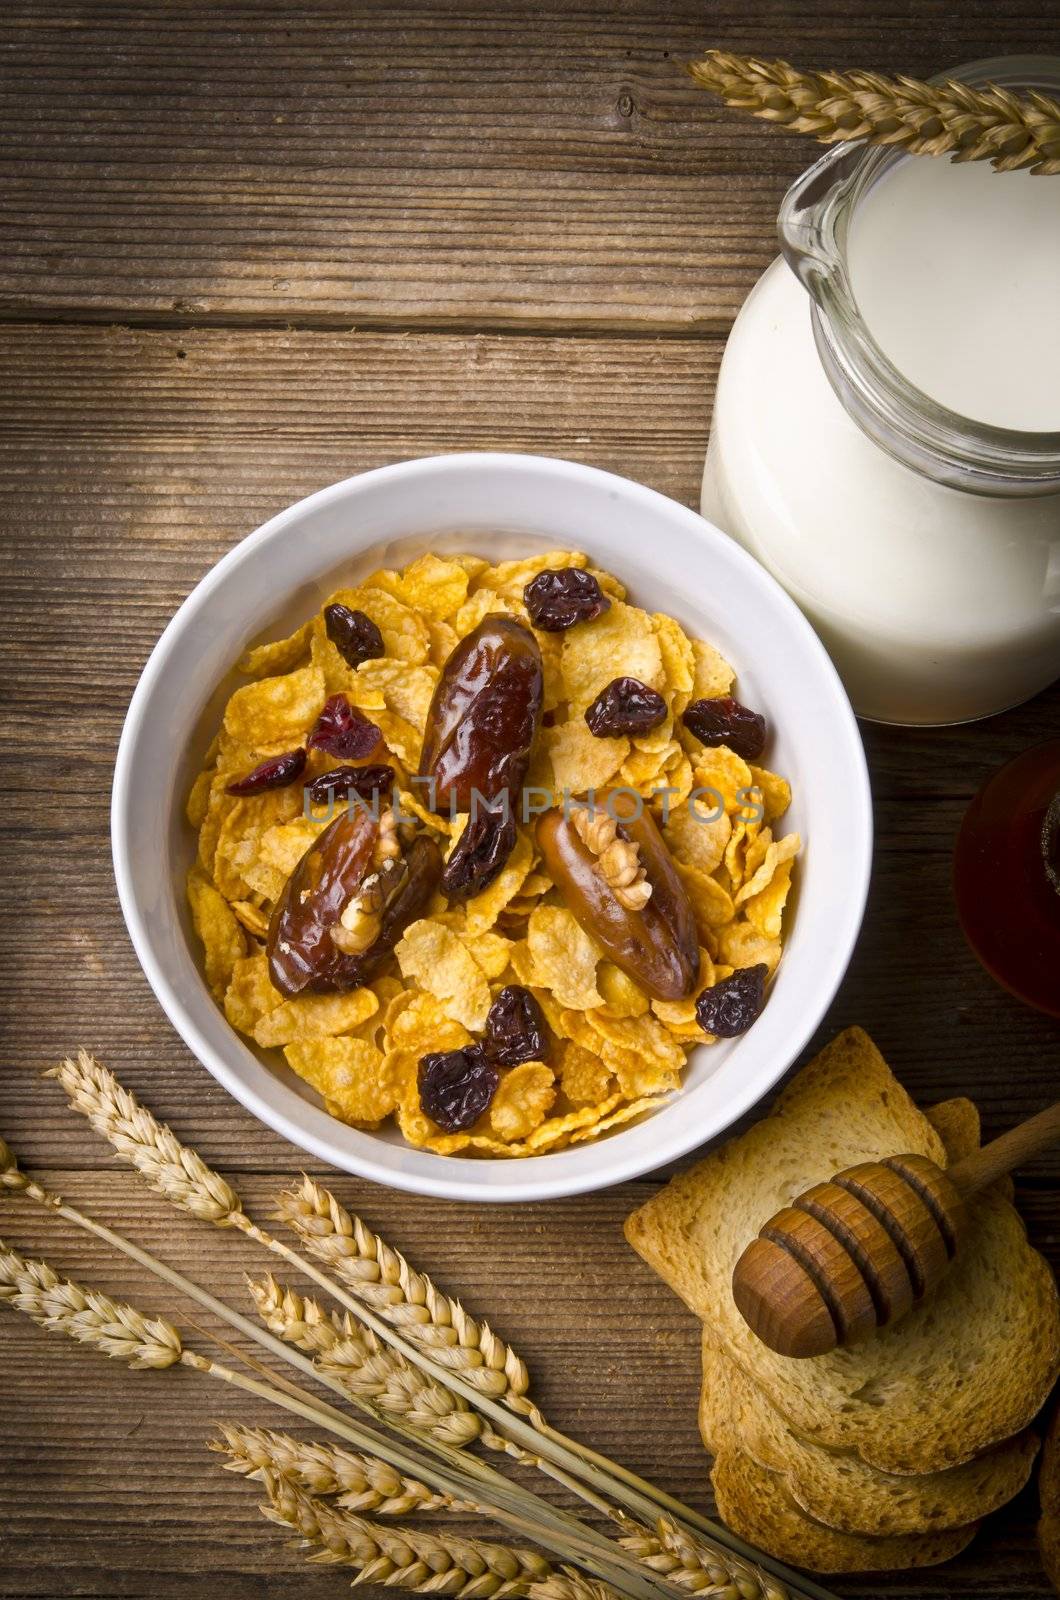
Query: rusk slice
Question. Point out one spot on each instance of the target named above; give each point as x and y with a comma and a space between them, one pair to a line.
837, 1487
752, 1502
965, 1370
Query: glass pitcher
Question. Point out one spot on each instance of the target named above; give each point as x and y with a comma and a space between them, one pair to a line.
923, 544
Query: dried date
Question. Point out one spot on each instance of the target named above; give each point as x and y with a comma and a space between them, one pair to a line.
731, 1005
655, 943
456, 1087
275, 773
354, 634
516, 1030
301, 950
344, 732
483, 716
560, 597
723, 720
626, 707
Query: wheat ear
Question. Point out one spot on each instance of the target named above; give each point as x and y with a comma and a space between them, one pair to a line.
421, 1562
344, 1350
675, 1554
361, 1482
988, 124
65, 1306
568, 1584
382, 1278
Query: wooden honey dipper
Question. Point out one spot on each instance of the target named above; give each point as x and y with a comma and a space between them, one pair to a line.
853, 1254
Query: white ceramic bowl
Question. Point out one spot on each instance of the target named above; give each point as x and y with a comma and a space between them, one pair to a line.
497, 506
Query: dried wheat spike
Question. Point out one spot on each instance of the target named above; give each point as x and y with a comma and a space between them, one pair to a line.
415, 1560
64, 1306
369, 1370
362, 1482
569, 1584
168, 1166
407, 1299
988, 124
702, 1569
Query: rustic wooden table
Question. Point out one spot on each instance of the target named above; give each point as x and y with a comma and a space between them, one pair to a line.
250, 249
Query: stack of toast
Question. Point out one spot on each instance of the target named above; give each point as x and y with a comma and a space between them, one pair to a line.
886, 1455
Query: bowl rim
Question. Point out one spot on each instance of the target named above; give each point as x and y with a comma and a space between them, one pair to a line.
684, 1136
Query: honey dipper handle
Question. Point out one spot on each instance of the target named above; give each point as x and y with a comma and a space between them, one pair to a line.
1019, 1144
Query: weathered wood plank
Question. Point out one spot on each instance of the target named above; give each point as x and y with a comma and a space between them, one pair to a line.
130, 461
516, 166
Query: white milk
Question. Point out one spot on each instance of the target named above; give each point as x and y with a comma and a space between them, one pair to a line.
937, 604
956, 271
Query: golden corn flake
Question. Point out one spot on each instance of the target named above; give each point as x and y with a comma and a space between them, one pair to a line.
350, 1074
315, 1016
621, 643
275, 710
579, 761
614, 1051
565, 957
712, 675
583, 1077
279, 656
434, 958
223, 940
524, 1097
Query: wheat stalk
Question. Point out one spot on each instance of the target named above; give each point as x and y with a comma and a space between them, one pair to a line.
949, 118
361, 1482
382, 1278
424, 1563
367, 1370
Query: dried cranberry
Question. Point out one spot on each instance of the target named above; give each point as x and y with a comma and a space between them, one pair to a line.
558, 598
626, 706
275, 773
734, 1003
515, 1028
456, 1087
354, 635
480, 852
725, 721
369, 783
343, 731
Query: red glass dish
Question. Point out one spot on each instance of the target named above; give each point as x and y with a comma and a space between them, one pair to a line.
1007, 876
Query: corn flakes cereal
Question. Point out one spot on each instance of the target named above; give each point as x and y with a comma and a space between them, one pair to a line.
614, 1050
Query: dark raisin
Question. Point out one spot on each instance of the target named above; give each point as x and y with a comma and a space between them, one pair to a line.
734, 1003
558, 598
275, 773
371, 784
456, 1087
626, 706
515, 1028
343, 731
354, 635
725, 721
480, 852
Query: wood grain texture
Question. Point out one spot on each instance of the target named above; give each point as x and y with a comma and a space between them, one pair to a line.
482, 165
131, 461
222, 176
